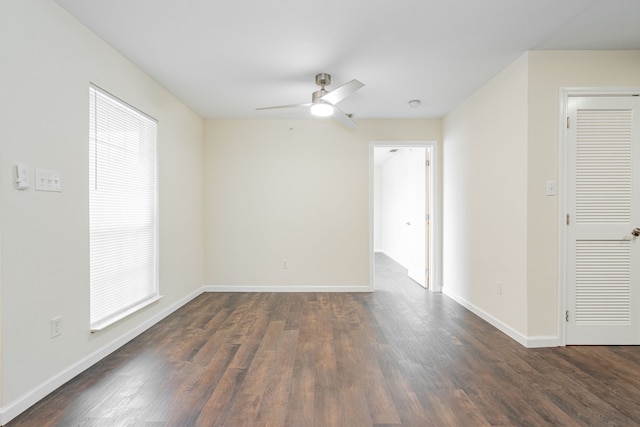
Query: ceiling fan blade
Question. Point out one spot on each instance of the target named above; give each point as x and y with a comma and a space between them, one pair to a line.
341, 92
284, 106
340, 116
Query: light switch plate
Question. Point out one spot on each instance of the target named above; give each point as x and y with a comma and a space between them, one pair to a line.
22, 177
48, 180
551, 188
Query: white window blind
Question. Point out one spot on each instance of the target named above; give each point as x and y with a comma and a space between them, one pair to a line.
122, 209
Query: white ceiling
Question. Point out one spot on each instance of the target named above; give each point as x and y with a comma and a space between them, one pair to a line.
224, 59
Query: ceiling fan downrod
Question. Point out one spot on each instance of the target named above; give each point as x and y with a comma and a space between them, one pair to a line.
322, 80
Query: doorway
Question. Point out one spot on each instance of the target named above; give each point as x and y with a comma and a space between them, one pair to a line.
602, 214
403, 208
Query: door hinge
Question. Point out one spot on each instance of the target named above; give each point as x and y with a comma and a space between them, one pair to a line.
568, 122
566, 316
568, 219
428, 163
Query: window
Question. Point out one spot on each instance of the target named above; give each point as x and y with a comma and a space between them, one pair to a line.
122, 209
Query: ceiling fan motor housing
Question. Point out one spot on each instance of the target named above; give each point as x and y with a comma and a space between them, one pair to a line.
323, 79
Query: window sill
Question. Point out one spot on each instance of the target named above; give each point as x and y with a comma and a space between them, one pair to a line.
99, 326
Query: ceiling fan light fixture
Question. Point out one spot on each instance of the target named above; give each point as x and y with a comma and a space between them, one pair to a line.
323, 103
322, 109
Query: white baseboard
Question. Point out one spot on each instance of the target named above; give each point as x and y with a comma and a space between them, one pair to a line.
24, 402
268, 288
543, 341
526, 341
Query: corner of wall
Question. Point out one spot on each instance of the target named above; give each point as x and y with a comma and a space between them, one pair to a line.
485, 197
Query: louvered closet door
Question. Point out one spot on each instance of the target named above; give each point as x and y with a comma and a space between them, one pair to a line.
603, 259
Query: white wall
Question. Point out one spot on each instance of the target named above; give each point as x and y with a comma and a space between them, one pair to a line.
294, 190
485, 198
377, 208
47, 61
396, 208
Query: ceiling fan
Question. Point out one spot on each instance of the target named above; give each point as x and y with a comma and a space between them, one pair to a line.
323, 103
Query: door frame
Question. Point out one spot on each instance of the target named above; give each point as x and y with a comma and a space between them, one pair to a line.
435, 242
565, 94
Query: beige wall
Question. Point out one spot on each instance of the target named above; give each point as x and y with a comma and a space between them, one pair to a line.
484, 192
294, 190
47, 61
548, 72
500, 148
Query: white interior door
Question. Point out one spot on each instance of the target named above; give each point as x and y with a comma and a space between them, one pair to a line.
427, 218
603, 202
416, 222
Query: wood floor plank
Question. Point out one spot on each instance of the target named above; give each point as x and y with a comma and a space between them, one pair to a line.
198, 383
327, 407
273, 410
248, 402
217, 408
398, 357
301, 405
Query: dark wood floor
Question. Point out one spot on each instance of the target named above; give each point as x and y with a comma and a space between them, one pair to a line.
399, 356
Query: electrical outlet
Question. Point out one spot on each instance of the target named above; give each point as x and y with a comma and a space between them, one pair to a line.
499, 288
285, 264
56, 326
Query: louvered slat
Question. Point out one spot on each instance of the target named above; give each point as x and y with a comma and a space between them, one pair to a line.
603, 283
603, 166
